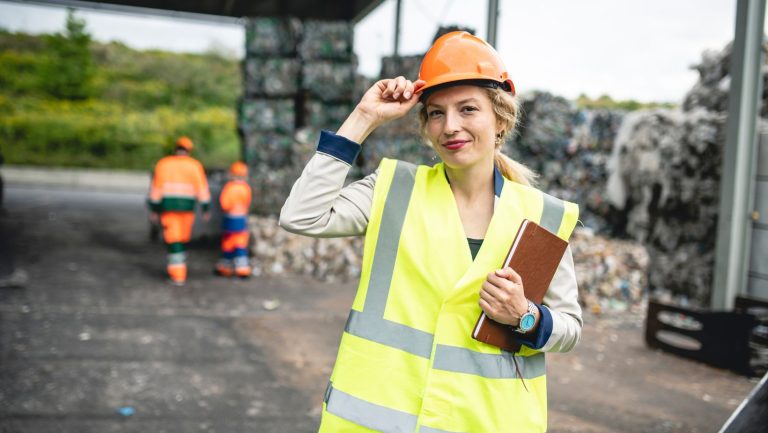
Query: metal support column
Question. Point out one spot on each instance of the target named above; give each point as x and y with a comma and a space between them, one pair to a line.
739, 155
396, 54
493, 19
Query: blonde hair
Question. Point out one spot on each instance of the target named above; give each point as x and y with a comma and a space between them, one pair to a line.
506, 108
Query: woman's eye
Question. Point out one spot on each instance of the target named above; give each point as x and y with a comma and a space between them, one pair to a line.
434, 113
468, 108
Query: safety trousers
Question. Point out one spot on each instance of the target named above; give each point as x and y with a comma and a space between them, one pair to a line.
234, 254
177, 231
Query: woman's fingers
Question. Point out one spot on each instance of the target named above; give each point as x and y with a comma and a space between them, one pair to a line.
400, 85
510, 275
397, 88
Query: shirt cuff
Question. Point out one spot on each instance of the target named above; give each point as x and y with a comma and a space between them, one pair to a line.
537, 339
339, 147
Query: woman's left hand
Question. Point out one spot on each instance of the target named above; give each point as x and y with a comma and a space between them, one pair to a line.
502, 297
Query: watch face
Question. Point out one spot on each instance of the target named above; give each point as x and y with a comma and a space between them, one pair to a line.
527, 321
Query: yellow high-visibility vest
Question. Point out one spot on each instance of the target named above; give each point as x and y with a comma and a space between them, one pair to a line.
407, 361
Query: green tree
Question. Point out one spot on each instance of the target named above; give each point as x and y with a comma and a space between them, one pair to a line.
69, 68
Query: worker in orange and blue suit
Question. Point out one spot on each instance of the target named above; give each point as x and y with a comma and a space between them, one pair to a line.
235, 200
178, 183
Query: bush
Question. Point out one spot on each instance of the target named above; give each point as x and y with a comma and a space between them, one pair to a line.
105, 135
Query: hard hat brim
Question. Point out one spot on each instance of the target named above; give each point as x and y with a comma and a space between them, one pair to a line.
465, 79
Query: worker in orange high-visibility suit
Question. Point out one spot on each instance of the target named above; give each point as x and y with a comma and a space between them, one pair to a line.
178, 182
235, 200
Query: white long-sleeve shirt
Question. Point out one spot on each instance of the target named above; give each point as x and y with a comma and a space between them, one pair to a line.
320, 205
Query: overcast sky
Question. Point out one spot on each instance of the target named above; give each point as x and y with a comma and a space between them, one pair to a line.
628, 49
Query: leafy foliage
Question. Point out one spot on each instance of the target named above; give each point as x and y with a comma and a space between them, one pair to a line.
67, 100
606, 102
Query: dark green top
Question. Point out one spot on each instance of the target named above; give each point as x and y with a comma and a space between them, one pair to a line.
474, 246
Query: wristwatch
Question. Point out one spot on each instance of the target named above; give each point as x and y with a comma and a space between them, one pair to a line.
528, 320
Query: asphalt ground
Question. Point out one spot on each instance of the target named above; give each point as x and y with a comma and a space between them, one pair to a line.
99, 342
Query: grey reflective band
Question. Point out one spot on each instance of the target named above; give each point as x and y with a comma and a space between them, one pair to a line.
370, 323
552, 214
371, 415
388, 240
389, 333
367, 414
177, 258
424, 429
492, 366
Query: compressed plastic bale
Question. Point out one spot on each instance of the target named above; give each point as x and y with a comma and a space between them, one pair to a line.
322, 115
267, 115
268, 149
329, 81
271, 76
327, 40
271, 36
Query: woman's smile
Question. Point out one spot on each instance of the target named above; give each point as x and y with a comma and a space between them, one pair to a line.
455, 144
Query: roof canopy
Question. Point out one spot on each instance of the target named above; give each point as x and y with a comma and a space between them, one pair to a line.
349, 10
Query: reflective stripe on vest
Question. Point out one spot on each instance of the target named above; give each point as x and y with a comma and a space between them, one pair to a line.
371, 325
372, 416
426, 348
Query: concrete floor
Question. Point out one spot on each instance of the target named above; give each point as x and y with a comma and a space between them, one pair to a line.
98, 331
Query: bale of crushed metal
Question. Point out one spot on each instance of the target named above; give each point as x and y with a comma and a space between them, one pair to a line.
330, 40
271, 76
271, 36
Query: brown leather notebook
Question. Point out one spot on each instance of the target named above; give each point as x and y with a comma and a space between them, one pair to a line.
535, 254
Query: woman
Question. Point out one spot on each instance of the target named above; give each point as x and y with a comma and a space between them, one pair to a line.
435, 239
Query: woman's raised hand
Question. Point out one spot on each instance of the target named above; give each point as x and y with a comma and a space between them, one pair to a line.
390, 99
386, 100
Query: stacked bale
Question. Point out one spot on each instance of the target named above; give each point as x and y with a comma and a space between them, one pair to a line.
267, 111
328, 73
299, 76
569, 149
666, 179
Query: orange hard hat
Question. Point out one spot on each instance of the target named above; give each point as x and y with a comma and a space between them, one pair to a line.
238, 169
461, 56
184, 142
